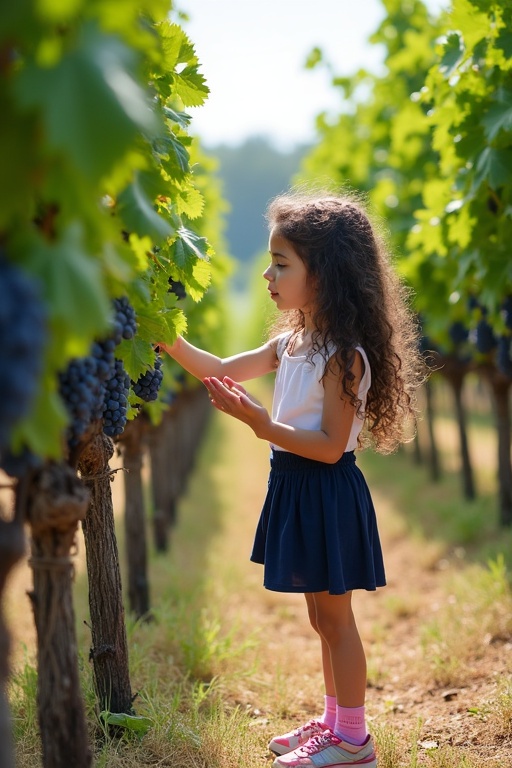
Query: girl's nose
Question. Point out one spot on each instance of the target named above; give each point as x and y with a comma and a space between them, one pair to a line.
267, 273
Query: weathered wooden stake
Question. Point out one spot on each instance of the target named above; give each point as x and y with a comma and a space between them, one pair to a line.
56, 502
109, 652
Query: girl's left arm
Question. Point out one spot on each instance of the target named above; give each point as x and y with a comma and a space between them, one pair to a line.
326, 444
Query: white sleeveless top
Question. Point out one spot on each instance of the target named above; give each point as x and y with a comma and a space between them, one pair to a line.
299, 391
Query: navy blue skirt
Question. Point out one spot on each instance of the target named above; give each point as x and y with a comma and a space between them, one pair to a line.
318, 531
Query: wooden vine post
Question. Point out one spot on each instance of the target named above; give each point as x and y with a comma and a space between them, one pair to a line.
454, 371
109, 651
433, 452
159, 484
56, 501
12, 548
132, 442
500, 388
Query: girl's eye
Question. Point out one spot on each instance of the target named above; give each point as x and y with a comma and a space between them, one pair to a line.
281, 266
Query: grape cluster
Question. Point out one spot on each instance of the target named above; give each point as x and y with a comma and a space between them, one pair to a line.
116, 400
177, 287
82, 392
103, 354
125, 320
22, 340
458, 333
485, 339
18, 464
147, 385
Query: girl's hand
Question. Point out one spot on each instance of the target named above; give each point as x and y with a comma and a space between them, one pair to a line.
230, 397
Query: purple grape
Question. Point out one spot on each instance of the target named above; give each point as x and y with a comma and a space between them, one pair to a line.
23, 333
147, 385
116, 400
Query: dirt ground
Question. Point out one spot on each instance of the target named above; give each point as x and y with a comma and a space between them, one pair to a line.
390, 622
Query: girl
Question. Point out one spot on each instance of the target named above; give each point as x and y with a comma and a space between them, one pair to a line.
345, 357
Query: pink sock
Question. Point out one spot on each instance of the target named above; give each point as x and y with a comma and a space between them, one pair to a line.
350, 724
329, 715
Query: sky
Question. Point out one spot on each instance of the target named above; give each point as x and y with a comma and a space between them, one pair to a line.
252, 54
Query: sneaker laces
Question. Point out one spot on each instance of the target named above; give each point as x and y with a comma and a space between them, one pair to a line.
309, 726
321, 741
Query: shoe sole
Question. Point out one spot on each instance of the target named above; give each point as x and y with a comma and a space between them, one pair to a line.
370, 763
279, 749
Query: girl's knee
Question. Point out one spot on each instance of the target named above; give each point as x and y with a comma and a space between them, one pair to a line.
335, 626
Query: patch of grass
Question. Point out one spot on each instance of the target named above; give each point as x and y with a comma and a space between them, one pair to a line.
436, 512
477, 611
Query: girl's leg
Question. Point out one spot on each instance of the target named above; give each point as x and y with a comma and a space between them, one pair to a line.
330, 688
337, 627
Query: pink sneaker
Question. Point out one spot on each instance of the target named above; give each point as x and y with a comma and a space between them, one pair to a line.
280, 745
327, 751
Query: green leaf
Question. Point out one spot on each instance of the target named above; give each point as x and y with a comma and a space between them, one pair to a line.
315, 57
189, 246
504, 41
189, 202
495, 167
191, 87
42, 429
137, 355
91, 104
173, 150
139, 215
158, 326
499, 116
135, 723
72, 283
453, 52
180, 118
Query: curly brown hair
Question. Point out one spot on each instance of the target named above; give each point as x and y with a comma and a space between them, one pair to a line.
360, 301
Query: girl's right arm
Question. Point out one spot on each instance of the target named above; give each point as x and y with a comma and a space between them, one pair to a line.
241, 367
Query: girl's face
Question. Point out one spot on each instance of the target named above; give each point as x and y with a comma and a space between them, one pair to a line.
287, 276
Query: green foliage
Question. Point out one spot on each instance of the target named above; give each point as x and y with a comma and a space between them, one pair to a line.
98, 194
430, 142
466, 217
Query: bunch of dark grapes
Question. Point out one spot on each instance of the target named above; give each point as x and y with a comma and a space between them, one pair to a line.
458, 333
147, 385
485, 339
116, 400
19, 464
125, 320
103, 354
177, 287
22, 340
82, 393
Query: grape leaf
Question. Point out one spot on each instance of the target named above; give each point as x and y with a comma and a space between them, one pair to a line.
453, 53
72, 283
137, 355
136, 723
191, 87
499, 116
91, 104
495, 167
139, 215
189, 245
162, 326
